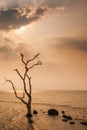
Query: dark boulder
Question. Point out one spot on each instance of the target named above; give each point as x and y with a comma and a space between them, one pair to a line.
52, 112
35, 112
63, 112
83, 123
72, 122
64, 120
67, 117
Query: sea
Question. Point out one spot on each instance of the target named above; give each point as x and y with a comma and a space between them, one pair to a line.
66, 98
62, 98
13, 112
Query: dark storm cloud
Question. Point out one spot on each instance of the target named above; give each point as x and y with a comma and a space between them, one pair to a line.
14, 14
67, 4
63, 3
17, 13
40, 11
6, 4
15, 18
70, 43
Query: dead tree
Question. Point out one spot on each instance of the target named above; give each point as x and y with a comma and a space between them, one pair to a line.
27, 91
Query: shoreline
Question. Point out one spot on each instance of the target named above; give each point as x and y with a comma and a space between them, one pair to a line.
15, 115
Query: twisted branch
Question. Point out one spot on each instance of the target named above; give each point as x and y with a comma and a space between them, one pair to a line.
29, 79
22, 58
21, 98
23, 79
25, 88
26, 71
33, 58
38, 63
18, 73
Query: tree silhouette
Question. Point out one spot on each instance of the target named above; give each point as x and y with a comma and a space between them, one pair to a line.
27, 90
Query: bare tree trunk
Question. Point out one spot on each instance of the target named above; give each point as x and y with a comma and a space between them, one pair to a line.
27, 91
29, 108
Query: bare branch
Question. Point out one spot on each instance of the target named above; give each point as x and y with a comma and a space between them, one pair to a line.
22, 58
23, 100
18, 73
23, 79
33, 58
29, 78
25, 89
15, 91
38, 63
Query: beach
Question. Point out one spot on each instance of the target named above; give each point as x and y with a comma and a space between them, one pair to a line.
73, 103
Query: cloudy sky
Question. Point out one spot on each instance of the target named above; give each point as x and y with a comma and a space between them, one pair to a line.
55, 28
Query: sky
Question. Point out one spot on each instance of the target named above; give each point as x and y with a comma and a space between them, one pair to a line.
57, 29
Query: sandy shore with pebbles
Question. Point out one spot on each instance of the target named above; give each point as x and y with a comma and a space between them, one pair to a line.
13, 112
12, 117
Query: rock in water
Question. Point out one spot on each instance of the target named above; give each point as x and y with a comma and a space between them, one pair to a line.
52, 112
72, 122
64, 120
35, 112
67, 117
83, 123
63, 112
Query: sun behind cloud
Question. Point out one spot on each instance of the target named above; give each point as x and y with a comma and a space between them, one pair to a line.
21, 29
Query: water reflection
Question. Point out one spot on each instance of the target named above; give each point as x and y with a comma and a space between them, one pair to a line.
30, 121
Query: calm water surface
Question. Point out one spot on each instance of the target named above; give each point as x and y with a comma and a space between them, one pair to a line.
68, 98
63, 98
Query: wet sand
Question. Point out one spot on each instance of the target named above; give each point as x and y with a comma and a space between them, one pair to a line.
13, 116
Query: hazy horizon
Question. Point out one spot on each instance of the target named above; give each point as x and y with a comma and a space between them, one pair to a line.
55, 28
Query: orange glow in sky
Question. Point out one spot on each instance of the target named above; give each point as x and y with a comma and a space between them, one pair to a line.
57, 29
